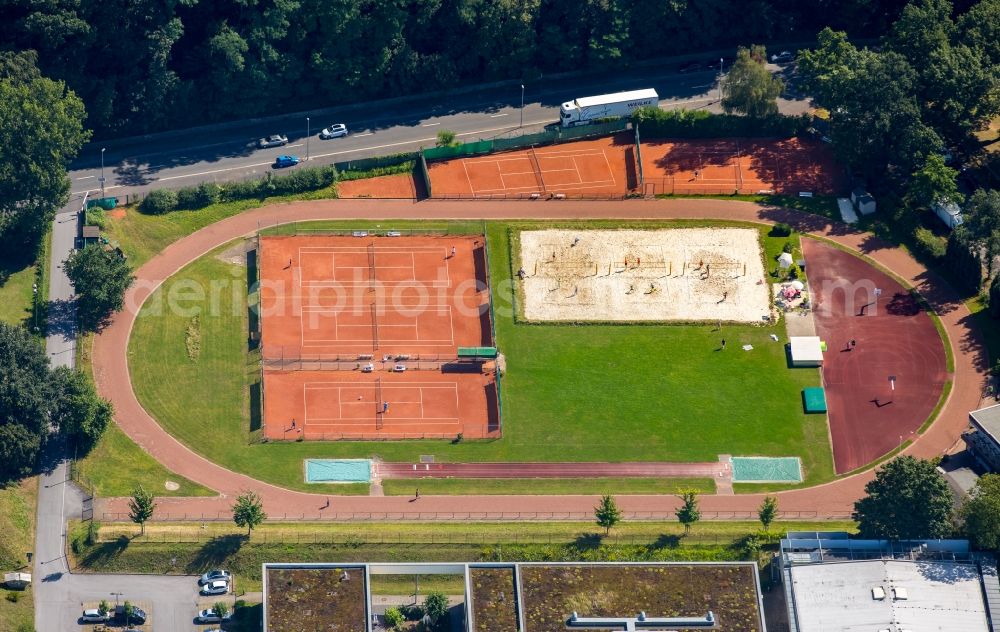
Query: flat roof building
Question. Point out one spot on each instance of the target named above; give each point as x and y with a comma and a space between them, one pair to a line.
527, 597
836, 584
983, 439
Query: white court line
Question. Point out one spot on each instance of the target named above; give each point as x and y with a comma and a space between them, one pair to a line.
611, 171
590, 185
576, 167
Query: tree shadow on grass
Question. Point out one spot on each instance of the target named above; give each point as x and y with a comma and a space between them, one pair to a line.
101, 555
215, 552
667, 541
588, 541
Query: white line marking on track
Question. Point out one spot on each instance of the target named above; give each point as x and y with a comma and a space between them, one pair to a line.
364, 134
86, 177
296, 145
499, 115
429, 124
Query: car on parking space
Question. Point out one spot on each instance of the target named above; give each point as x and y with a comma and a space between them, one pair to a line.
334, 131
93, 615
214, 574
274, 140
137, 617
216, 587
285, 161
210, 616
782, 57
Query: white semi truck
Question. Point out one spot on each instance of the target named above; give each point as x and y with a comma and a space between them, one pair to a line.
588, 109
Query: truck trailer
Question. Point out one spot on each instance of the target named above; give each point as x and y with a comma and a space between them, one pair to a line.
589, 109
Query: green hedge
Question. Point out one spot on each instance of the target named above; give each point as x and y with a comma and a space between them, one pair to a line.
657, 123
301, 180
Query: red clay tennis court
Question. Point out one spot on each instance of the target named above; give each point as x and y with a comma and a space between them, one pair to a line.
591, 168
360, 337
327, 296
337, 405
722, 166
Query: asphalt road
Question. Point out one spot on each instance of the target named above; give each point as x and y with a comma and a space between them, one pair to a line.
227, 152
59, 594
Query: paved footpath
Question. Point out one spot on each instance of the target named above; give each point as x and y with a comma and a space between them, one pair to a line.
833, 499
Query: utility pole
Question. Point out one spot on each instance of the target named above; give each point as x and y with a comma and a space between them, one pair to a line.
102, 172
308, 134
522, 106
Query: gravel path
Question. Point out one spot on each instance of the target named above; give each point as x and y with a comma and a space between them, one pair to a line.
833, 499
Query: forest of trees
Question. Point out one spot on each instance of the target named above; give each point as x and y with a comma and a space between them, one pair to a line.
145, 65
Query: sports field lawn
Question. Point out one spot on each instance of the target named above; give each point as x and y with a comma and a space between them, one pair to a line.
579, 393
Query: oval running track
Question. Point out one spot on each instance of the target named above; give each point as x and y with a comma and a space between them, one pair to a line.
834, 499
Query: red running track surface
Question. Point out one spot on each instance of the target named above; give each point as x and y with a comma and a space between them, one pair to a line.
894, 337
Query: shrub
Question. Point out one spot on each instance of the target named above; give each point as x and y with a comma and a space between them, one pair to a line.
393, 618
928, 244
187, 198
412, 612
93, 530
13, 597
780, 230
159, 201
96, 217
787, 247
657, 123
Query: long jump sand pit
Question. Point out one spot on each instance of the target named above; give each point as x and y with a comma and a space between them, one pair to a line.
683, 274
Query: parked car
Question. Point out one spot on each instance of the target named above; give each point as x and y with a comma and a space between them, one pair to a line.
782, 57
334, 131
138, 615
274, 140
213, 575
93, 615
286, 161
216, 587
209, 616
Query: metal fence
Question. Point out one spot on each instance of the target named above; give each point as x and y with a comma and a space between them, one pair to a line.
549, 136
319, 228
470, 432
362, 538
290, 357
478, 516
365, 164
682, 186
534, 196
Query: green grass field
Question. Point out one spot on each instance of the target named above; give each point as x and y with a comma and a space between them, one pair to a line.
594, 392
16, 281
117, 464
172, 548
17, 523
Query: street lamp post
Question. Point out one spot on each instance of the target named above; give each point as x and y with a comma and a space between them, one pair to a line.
102, 172
116, 595
308, 133
522, 105
721, 70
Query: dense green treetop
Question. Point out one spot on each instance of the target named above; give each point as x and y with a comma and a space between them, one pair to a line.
907, 499
141, 65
